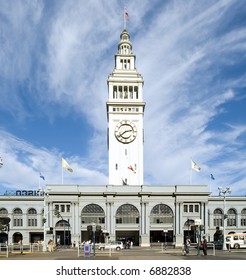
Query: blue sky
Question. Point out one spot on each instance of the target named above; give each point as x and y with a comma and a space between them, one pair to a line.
55, 60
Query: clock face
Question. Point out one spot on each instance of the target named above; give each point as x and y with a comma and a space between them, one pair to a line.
125, 132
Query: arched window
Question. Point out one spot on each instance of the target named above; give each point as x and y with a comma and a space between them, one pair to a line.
231, 217
136, 92
32, 217
161, 214
243, 217
17, 218
218, 217
62, 224
3, 212
92, 213
115, 92
127, 214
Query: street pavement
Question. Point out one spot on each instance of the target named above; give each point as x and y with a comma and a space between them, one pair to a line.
136, 253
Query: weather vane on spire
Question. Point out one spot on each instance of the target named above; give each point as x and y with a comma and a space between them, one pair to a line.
126, 17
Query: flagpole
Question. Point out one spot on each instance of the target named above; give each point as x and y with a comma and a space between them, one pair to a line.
210, 180
62, 174
190, 171
124, 17
191, 176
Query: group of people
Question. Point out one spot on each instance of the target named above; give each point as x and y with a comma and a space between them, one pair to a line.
128, 244
204, 246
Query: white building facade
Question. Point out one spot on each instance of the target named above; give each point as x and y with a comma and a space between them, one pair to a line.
125, 209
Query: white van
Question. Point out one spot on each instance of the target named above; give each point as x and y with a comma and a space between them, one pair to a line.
236, 240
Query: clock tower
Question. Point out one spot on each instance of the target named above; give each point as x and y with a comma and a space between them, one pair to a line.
125, 111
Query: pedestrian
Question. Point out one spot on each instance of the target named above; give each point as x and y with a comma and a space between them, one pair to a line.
51, 245
21, 245
187, 246
204, 246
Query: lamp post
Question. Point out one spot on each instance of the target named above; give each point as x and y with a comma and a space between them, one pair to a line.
1, 162
224, 192
42, 192
94, 238
165, 238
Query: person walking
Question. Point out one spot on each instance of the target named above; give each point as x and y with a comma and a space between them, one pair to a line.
204, 246
187, 245
51, 245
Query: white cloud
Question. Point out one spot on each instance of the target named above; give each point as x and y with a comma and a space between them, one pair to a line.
22, 163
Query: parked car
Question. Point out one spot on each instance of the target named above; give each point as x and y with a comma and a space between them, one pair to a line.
117, 245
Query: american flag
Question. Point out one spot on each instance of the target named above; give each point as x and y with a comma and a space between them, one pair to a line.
126, 15
131, 168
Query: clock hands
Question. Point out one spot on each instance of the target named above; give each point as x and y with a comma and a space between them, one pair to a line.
121, 134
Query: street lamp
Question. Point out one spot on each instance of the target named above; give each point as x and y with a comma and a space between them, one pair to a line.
94, 237
224, 192
42, 192
165, 238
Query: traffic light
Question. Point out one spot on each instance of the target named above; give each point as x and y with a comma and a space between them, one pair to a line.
202, 228
89, 228
4, 227
98, 228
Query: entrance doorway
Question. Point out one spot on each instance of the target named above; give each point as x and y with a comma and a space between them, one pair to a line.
161, 236
88, 236
17, 237
36, 237
63, 238
3, 237
192, 235
62, 233
128, 235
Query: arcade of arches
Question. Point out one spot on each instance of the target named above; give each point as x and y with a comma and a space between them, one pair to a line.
128, 215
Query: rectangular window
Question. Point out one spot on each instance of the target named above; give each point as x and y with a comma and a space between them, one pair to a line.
197, 208
32, 222
62, 208
68, 208
18, 222
185, 208
243, 222
191, 208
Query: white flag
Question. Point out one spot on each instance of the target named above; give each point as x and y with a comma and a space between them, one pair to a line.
66, 165
195, 166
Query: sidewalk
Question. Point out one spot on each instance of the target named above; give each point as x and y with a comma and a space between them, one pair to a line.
137, 253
